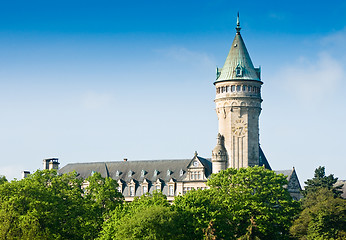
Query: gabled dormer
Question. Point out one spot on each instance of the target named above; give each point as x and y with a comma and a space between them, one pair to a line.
195, 170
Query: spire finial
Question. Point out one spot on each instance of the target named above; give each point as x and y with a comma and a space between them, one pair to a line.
238, 25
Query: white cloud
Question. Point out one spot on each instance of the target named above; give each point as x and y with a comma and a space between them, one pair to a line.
313, 79
184, 55
94, 101
336, 40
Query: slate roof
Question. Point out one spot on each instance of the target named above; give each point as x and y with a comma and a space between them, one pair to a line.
287, 173
238, 56
137, 170
263, 160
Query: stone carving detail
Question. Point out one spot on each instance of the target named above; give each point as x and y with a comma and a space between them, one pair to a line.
239, 128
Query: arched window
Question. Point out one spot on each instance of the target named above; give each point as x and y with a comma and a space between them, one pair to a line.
232, 88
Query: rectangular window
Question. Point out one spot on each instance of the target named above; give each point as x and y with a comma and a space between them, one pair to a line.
238, 88
119, 189
145, 189
158, 187
171, 190
244, 88
199, 175
132, 191
192, 176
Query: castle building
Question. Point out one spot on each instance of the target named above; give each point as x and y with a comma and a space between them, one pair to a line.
238, 107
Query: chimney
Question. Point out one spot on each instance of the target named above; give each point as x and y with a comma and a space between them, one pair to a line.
125, 159
51, 163
25, 174
54, 163
46, 163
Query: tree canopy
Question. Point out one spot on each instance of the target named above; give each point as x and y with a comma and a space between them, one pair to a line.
238, 202
2, 179
320, 180
323, 217
147, 217
46, 205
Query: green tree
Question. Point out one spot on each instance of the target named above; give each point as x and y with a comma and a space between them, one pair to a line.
103, 192
320, 180
46, 205
147, 217
42, 206
248, 203
202, 214
2, 179
154, 222
323, 217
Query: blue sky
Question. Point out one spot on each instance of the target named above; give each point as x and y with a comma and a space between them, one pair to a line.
100, 81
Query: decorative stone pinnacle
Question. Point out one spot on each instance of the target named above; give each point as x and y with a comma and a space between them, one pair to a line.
238, 25
219, 139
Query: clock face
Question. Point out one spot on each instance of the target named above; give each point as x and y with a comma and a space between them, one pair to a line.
239, 128
195, 163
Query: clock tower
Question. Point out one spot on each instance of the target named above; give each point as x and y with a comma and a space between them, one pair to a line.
238, 106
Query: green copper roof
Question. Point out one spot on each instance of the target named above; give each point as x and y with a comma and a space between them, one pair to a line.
238, 65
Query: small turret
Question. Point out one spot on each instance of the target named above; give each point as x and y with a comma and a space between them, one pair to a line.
219, 155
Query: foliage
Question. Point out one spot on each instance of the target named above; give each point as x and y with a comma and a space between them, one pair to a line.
2, 179
155, 222
248, 203
42, 206
323, 217
201, 214
147, 217
46, 205
320, 180
102, 197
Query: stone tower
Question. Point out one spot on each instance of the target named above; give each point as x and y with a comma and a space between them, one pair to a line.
238, 106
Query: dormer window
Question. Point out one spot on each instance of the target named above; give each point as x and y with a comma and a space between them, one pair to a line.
145, 186
120, 186
181, 172
156, 173
117, 173
238, 71
158, 185
130, 173
132, 191
132, 188
143, 172
145, 189
169, 172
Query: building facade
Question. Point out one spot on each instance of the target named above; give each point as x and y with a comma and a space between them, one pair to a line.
238, 106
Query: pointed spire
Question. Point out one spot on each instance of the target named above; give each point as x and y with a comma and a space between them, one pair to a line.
238, 25
238, 64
